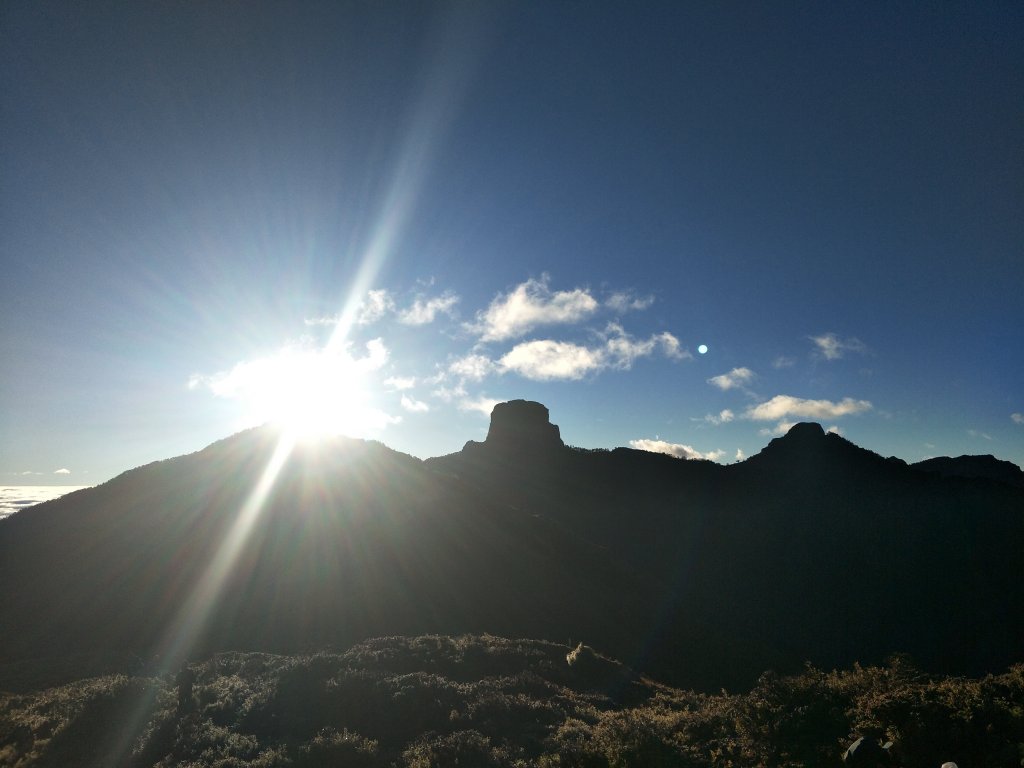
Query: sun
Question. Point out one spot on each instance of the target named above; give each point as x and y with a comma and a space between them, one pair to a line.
310, 392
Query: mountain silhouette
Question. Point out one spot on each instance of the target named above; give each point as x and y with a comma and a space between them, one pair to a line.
699, 574
812, 549
986, 467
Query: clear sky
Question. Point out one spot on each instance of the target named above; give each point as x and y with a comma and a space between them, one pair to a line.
380, 218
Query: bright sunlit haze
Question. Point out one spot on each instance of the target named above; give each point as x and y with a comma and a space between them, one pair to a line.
682, 229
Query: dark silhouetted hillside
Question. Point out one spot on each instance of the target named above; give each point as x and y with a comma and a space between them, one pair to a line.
986, 467
354, 541
698, 574
813, 549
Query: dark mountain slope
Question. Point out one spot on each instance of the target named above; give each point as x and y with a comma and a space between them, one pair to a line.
978, 467
812, 549
850, 556
354, 540
699, 574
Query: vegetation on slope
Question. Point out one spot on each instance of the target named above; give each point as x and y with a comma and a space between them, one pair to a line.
487, 701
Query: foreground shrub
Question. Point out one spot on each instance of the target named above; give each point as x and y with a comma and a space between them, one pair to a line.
487, 701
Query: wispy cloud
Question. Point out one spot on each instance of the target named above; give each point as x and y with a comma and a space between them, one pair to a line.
1017, 418
678, 450
448, 394
976, 433
621, 349
529, 305
782, 362
472, 367
424, 311
627, 301
414, 406
723, 417
737, 378
782, 407
740, 456
399, 383
323, 320
483, 405
378, 302
62, 471
831, 347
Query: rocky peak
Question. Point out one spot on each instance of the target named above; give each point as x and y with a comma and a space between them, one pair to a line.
801, 442
522, 425
805, 431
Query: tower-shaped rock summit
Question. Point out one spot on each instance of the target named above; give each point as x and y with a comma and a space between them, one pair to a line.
522, 425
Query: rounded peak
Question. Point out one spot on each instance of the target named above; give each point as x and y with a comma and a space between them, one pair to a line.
807, 437
805, 430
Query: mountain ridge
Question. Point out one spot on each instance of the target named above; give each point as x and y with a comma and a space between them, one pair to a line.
701, 574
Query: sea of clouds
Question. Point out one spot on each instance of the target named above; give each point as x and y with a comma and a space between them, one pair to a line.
14, 498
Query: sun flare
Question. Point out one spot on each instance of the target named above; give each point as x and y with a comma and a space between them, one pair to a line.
309, 392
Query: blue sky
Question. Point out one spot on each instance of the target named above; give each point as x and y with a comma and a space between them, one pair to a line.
383, 217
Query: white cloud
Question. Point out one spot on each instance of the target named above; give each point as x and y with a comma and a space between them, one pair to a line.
377, 355
447, 394
546, 360
483, 405
472, 367
737, 378
782, 362
835, 430
529, 305
786, 407
627, 301
62, 471
399, 383
422, 312
678, 450
723, 417
670, 347
378, 302
621, 349
831, 347
740, 455
414, 406
976, 433
1018, 418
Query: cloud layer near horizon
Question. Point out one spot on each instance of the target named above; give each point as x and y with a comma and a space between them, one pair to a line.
678, 450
